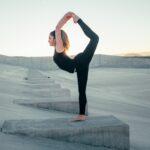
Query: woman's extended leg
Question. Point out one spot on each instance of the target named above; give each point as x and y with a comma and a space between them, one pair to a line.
88, 53
84, 58
82, 61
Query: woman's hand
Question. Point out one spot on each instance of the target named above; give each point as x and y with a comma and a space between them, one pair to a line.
69, 15
65, 18
75, 18
73, 15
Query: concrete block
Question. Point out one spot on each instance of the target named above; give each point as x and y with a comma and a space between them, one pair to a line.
39, 78
52, 93
38, 75
106, 131
38, 100
43, 91
40, 81
42, 86
64, 106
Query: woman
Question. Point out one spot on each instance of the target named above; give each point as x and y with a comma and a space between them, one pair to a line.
80, 63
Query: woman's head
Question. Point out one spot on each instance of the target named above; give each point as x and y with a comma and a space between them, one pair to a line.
65, 40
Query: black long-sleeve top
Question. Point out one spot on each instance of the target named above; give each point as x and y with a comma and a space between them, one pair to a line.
65, 62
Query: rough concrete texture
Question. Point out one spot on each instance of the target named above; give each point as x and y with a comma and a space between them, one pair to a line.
18, 142
105, 131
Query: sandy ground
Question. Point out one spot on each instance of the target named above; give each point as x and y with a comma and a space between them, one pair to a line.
122, 92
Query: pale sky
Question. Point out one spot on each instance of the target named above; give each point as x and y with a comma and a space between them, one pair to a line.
122, 25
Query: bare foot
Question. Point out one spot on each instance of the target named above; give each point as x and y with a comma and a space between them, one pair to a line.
80, 118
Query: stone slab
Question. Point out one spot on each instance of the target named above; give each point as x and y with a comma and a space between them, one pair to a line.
64, 106
42, 85
53, 93
34, 100
107, 131
39, 81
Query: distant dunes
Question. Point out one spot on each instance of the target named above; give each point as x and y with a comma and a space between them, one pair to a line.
136, 54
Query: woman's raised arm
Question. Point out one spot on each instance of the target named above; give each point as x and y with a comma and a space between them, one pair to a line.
59, 42
64, 19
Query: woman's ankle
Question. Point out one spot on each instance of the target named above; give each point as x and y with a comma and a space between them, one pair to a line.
82, 115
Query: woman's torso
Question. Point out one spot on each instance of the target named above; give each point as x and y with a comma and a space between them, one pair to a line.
64, 62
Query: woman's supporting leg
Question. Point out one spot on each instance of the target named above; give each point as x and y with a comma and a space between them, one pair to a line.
82, 61
82, 76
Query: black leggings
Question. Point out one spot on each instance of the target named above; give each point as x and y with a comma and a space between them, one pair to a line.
82, 67
82, 61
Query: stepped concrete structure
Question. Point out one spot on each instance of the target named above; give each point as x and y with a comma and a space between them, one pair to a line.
51, 97
38, 102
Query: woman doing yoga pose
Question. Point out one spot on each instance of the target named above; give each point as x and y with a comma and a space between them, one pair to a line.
80, 63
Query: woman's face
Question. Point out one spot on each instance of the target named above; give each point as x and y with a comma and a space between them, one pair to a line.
51, 40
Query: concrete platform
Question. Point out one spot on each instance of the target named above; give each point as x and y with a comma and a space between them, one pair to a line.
40, 81
107, 131
34, 100
39, 78
64, 106
46, 90
43, 85
52, 93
